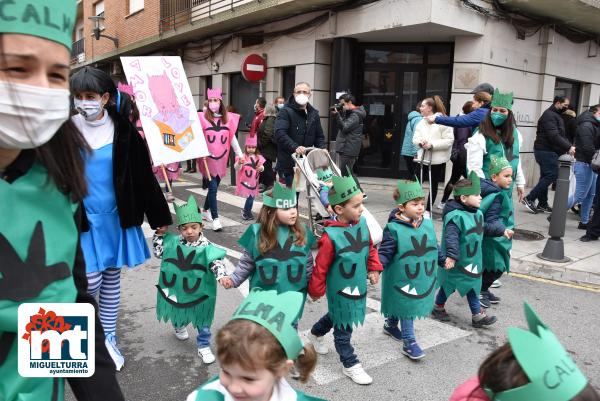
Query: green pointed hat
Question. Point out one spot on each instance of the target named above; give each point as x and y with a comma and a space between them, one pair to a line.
343, 189
409, 190
188, 212
281, 197
502, 99
276, 313
473, 189
551, 372
498, 163
48, 19
324, 174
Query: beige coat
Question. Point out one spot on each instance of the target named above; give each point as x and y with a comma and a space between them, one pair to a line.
439, 136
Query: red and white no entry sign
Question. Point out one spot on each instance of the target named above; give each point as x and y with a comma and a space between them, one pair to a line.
254, 68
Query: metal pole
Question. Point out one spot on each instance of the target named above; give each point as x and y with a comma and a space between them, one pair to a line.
554, 250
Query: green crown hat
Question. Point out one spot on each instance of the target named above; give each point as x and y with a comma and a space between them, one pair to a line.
473, 189
188, 212
552, 373
324, 174
502, 99
409, 190
48, 19
498, 163
344, 188
281, 197
276, 313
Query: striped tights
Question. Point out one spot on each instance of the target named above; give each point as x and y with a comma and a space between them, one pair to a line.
108, 282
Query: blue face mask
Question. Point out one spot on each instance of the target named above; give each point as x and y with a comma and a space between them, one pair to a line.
280, 106
498, 119
598, 119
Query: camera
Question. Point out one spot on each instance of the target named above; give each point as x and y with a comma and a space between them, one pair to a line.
337, 107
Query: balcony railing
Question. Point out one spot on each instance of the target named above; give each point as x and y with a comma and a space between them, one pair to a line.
78, 51
177, 13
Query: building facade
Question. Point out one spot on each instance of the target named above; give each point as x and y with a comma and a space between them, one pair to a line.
389, 53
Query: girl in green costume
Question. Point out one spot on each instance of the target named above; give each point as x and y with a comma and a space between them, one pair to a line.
41, 185
461, 251
409, 278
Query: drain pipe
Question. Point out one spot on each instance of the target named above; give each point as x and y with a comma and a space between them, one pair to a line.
554, 251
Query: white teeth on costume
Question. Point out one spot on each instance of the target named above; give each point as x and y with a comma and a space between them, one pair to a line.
413, 292
406, 289
173, 298
353, 292
472, 269
166, 292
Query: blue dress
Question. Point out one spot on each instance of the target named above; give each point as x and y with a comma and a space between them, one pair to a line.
107, 244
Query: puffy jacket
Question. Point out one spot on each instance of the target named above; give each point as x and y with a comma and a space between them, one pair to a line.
570, 120
349, 139
408, 148
551, 135
493, 226
296, 127
267, 145
470, 120
439, 136
585, 137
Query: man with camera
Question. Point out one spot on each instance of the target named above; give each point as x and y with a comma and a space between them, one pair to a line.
348, 142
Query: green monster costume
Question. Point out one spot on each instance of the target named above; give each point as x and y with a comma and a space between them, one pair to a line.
187, 288
496, 250
409, 281
347, 277
276, 312
550, 369
466, 274
38, 235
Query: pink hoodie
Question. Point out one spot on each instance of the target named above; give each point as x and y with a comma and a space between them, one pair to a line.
469, 391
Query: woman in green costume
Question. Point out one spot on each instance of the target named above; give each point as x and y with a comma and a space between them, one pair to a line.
41, 187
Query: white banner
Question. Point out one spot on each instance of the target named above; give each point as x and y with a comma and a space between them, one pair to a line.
167, 110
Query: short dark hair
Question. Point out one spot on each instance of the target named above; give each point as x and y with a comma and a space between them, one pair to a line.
467, 107
348, 97
594, 109
560, 99
462, 183
262, 102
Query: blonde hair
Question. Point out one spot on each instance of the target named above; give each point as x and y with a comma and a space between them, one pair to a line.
267, 238
252, 347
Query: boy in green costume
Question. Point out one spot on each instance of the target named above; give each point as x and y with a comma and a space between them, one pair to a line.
187, 290
409, 255
461, 251
345, 260
497, 208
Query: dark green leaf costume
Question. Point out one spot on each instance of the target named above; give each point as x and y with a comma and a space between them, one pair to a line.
409, 281
187, 288
466, 274
38, 241
347, 276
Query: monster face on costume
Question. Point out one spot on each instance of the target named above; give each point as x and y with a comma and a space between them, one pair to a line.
218, 141
187, 288
247, 176
420, 249
218, 137
471, 248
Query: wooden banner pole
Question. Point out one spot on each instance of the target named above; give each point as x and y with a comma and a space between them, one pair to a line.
164, 170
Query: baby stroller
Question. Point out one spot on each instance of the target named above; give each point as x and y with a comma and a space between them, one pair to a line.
307, 182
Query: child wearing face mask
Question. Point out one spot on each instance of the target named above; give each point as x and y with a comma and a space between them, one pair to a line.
408, 281
257, 349
346, 259
121, 191
186, 289
461, 254
248, 169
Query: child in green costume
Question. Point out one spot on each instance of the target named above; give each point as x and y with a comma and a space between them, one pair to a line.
187, 290
497, 209
257, 349
409, 255
461, 254
345, 260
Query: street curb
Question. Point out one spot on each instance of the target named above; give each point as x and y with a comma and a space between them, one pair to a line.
555, 273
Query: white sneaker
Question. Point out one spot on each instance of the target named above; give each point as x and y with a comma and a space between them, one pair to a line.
318, 343
441, 205
206, 355
217, 225
111, 345
181, 333
206, 215
358, 374
496, 284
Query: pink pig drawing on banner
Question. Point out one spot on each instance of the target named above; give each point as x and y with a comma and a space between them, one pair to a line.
247, 175
218, 137
172, 119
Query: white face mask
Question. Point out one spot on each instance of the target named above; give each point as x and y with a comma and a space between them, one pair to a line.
30, 115
301, 99
89, 109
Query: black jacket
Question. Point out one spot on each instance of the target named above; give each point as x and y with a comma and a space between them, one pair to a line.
296, 127
349, 139
585, 137
136, 188
493, 227
570, 126
551, 135
266, 138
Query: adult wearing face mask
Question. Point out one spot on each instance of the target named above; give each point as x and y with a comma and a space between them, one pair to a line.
550, 142
279, 103
297, 127
42, 185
